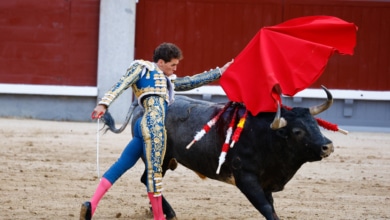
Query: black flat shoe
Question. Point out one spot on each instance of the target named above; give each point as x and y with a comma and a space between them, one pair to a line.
85, 212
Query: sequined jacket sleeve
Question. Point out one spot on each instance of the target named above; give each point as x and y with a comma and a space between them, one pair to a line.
130, 77
191, 82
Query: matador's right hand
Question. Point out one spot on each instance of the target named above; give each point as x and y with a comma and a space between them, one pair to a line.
99, 111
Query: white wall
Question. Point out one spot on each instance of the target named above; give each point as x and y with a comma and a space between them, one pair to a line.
116, 49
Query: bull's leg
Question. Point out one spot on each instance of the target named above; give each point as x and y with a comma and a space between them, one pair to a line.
167, 209
250, 187
270, 199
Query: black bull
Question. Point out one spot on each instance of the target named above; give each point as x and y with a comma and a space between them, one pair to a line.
262, 161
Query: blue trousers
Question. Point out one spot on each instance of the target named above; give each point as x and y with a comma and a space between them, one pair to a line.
149, 140
129, 156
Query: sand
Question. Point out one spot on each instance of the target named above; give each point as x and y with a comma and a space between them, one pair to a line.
48, 168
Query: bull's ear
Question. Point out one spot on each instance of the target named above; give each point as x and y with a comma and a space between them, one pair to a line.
282, 132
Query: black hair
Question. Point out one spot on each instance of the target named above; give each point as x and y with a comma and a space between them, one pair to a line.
167, 52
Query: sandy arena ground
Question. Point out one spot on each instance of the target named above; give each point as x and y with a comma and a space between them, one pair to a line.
48, 168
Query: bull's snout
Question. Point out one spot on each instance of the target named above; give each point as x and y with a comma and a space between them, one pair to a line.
327, 150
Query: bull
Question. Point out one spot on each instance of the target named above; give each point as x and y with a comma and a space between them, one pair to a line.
271, 149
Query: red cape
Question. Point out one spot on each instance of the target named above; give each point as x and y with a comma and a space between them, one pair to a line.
291, 56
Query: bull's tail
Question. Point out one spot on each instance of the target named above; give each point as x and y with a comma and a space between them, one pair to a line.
110, 122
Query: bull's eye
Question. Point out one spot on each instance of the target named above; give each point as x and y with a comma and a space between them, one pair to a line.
298, 132
282, 133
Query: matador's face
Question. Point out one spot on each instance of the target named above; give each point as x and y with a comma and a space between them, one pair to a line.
168, 68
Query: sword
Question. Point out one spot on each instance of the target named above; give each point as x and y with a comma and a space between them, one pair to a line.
97, 149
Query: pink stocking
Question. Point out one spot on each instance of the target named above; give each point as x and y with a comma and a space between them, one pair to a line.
102, 188
156, 206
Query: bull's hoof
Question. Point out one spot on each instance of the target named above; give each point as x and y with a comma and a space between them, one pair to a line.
170, 216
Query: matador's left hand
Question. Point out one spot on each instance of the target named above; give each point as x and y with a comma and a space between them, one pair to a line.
226, 66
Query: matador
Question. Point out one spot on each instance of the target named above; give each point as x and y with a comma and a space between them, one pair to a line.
153, 84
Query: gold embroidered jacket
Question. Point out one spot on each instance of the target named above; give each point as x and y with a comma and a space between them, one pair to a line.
146, 78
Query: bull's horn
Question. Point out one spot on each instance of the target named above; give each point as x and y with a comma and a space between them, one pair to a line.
279, 122
315, 110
